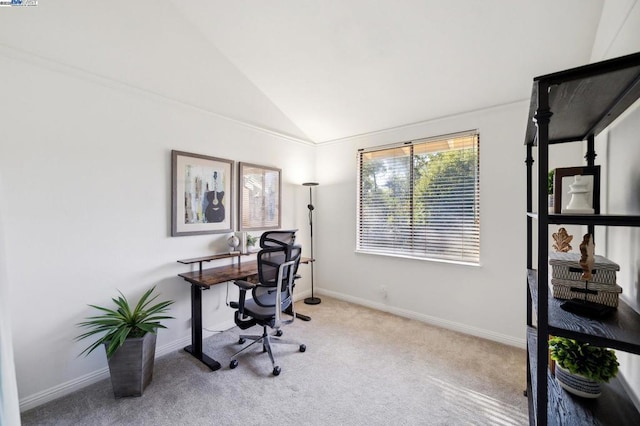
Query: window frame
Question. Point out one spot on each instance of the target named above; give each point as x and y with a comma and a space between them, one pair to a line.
394, 251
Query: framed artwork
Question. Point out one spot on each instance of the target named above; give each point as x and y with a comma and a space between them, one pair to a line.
201, 194
260, 191
563, 179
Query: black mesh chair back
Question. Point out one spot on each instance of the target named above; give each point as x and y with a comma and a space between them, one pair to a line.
269, 261
278, 238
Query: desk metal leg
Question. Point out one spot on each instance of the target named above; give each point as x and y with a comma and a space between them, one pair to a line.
195, 348
303, 317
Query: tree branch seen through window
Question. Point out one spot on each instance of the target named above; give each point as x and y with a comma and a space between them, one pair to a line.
421, 199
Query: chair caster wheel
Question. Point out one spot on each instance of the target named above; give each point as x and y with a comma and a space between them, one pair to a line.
278, 333
233, 364
241, 341
276, 371
303, 348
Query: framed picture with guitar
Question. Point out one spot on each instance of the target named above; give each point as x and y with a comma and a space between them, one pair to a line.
201, 194
260, 191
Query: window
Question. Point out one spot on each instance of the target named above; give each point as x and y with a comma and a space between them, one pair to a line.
421, 199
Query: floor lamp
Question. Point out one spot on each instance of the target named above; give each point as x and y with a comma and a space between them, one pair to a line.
311, 300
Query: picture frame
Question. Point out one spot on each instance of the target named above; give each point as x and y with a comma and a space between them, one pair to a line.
563, 177
260, 195
202, 194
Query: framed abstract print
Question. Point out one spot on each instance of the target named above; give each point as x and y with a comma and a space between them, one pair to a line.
201, 194
260, 190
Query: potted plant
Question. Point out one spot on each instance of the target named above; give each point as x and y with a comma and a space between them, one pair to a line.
580, 367
129, 338
251, 240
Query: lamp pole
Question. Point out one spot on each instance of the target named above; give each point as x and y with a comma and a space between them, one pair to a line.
311, 300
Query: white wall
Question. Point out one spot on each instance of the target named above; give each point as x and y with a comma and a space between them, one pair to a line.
619, 34
85, 161
486, 300
9, 408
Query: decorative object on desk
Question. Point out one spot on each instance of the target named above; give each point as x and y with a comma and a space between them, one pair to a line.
565, 177
251, 241
562, 240
129, 340
259, 197
247, 242
550, 192
233, 242
581, 367
311, 300
201, 194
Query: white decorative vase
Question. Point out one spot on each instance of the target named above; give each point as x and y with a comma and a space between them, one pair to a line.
576, 384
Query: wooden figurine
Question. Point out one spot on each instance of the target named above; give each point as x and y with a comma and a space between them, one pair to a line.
587, 256
562, 240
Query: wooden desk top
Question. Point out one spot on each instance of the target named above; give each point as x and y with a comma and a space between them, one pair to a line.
222, 274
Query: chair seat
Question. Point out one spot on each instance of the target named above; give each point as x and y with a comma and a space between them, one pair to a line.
262, 313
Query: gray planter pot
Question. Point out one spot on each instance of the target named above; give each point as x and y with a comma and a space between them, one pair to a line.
131, 366
577, 384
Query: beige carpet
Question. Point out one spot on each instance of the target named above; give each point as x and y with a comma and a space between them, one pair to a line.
361, 367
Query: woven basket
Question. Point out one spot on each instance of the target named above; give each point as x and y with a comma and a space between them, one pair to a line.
566, 266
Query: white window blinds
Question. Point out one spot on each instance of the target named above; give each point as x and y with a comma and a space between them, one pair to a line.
421, 199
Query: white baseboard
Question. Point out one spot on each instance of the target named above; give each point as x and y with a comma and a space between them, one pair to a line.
63, 389
71, 386
451, 325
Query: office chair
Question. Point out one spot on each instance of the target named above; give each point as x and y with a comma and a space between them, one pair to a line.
273, 294
281, 238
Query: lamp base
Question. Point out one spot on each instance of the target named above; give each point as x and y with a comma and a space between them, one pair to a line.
312, 300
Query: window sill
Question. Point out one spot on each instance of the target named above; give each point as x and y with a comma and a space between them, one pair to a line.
428, 259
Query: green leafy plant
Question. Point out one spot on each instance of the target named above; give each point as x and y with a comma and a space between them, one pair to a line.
592, 362
251, 240
550, 182
123, 322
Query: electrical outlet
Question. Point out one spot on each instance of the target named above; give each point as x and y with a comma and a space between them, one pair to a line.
384, 292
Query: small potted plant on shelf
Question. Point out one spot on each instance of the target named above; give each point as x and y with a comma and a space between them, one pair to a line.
580, 367
129, 338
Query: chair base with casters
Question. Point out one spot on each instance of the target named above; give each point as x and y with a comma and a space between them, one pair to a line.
272, 296
267, 342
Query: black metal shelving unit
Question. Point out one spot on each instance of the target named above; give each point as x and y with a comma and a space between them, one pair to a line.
574, 106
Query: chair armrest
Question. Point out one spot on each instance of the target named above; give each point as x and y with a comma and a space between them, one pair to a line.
245, 285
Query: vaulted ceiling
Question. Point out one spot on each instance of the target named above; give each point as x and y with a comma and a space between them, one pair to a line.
339, 68
313, 70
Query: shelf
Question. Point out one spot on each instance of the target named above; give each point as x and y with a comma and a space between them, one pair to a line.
613, 407
621, 330
575, 105
590, 219
585, 100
